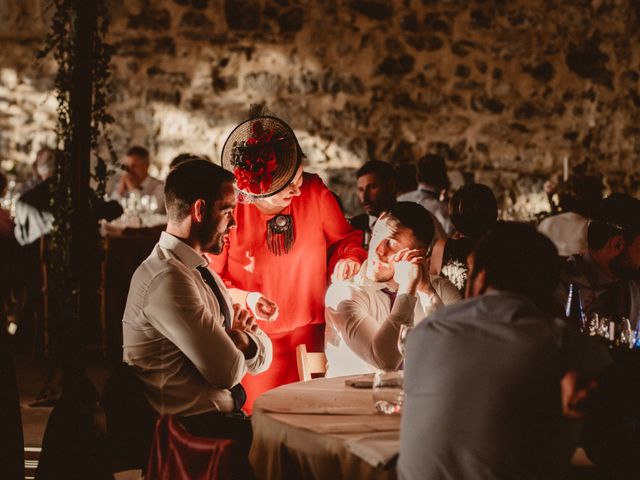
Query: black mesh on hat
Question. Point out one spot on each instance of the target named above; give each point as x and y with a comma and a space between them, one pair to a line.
240, 157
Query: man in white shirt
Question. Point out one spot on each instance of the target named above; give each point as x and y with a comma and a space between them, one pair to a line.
364, 315
377, 193
185, 340
136, 178
432, 182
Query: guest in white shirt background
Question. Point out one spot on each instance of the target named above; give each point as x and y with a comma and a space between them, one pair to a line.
185, 340
136, 178
433, 184
364, 315
577, 197
376, 193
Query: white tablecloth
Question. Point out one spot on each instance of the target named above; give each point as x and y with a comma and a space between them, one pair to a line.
322, 429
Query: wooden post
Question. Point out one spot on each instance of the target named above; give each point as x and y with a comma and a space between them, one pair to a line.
80, 107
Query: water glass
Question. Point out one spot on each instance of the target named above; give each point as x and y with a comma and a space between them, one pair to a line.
388, 394
402, 338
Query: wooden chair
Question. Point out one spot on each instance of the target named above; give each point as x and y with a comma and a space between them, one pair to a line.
310, 363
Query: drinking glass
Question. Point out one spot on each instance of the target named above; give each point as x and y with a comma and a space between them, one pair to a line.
388, 395
402, 338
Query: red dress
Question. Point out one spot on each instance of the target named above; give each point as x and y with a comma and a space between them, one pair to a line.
296, 281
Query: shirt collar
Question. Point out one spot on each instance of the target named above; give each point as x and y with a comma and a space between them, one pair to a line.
184, 252
372, 221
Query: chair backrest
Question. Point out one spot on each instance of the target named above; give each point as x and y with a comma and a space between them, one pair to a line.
310, 363
175, 453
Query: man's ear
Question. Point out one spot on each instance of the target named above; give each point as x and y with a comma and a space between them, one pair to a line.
198, 210
617, 244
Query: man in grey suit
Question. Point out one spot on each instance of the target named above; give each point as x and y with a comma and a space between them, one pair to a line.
495, 385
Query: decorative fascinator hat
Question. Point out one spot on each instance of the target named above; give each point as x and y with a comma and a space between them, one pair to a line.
263, 154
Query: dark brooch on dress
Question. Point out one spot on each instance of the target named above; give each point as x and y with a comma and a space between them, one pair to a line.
280, 234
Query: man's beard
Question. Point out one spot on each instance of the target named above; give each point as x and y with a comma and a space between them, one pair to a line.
213, 241
622, 268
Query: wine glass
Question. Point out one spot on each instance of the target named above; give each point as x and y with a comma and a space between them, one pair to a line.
388, 395
402, 338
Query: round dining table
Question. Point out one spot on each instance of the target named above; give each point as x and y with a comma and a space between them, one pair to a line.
323, 428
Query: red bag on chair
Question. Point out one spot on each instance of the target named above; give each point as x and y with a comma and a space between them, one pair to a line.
177, 454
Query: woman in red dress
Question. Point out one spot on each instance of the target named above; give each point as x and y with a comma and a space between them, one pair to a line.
277, 260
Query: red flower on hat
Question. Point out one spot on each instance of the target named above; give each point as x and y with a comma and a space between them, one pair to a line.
255, 159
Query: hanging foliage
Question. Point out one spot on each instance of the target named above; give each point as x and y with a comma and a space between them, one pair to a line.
60, 43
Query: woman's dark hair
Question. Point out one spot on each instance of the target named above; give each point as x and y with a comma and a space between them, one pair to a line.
432, 170
406, 177
414, 217
580, 194
517, 258
191, 180
473, 210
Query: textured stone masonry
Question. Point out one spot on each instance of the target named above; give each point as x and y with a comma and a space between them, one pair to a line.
503, 89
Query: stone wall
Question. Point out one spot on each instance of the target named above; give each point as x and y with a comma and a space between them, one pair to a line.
503, 89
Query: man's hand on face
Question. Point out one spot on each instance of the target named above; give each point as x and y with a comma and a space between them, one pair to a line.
408, 269
345, 269
262, 308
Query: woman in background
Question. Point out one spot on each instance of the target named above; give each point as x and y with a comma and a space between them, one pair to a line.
473, 210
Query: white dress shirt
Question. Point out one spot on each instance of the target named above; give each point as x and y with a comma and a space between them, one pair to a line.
150, 186
568, 231
174, 336
361, 331
428, 198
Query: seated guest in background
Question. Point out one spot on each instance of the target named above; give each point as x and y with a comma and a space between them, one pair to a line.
33, 209
376, 192
185, 340
608, 274
490, 383
136, 178
40, 169
405, 178
433, 184
568, 230
364, 315
473, 210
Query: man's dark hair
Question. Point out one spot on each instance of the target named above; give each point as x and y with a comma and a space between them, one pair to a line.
473, 210
184, 157
138, 151
432, 170
517, 258
406, 177
618, 214
190, 181
415, 217
383, 170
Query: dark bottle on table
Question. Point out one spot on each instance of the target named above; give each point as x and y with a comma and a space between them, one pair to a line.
574, 311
